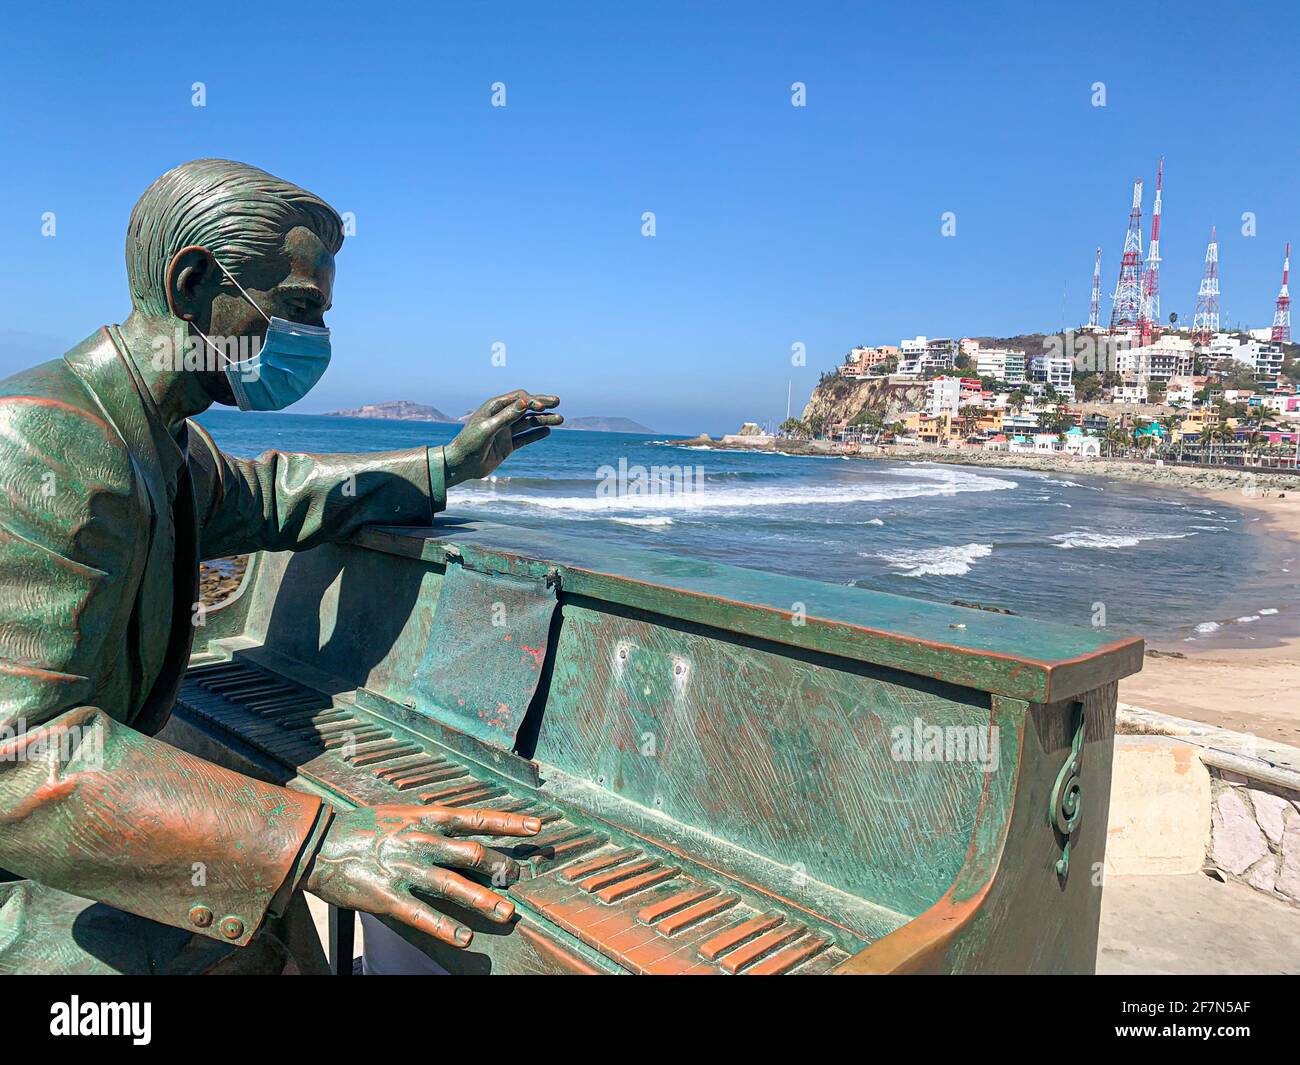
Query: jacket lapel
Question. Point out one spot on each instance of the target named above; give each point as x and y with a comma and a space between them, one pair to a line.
171, 575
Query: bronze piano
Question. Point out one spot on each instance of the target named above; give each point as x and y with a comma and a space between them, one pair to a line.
738, 773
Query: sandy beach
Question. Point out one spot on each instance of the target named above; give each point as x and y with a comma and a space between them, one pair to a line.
1249, 689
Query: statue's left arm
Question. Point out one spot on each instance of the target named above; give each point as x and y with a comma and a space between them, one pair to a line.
284, 501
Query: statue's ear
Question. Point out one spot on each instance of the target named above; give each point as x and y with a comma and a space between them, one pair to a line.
193, 279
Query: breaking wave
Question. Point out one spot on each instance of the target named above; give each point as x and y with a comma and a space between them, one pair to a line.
934, 561
655, 523
1105, 541
738, 498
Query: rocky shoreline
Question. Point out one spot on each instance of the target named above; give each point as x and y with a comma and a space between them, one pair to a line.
1196, 478
219, 579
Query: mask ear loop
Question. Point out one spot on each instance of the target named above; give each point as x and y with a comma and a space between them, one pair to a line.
246, 296
242, 292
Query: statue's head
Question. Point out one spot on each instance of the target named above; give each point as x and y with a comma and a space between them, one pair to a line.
276, 239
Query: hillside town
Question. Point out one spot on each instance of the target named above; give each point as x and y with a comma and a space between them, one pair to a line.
1227, 398
1137, 388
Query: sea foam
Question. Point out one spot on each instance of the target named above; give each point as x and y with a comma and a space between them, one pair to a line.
707, 498
1109, 541
934, 561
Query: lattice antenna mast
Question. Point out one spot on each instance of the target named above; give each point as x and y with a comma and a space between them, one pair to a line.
1150, 321
1126, 304
1206, 322
1282, 313
1094, 311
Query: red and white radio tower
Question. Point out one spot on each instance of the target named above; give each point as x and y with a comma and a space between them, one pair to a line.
1282, 315
1094, 312
1126, 304
1150, 320
1206, 322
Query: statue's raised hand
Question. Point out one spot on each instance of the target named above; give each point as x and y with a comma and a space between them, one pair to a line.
496, 429
376, 859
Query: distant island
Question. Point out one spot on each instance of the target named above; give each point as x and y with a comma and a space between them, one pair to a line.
606, 425
400, 410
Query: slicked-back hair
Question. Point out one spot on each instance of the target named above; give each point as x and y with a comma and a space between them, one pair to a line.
234, 210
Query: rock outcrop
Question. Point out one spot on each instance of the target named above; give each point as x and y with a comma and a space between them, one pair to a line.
843, 399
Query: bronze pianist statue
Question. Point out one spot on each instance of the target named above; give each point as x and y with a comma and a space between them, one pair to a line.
123, 854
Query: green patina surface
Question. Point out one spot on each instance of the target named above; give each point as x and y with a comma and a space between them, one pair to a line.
680, 705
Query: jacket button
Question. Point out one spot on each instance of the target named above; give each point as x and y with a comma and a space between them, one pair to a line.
232, 927
200, 916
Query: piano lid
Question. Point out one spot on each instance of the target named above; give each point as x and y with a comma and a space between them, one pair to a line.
1001, 654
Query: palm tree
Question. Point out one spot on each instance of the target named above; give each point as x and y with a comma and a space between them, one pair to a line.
970, 416
1115, 439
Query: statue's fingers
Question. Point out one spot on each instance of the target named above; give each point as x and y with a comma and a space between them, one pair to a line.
530, 437
466, 854
501, 419
532, 421
501, 402
542, 402
451, 821
424, 918
444, 884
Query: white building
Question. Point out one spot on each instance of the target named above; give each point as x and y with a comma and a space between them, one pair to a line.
1129, 394
1267, 360
1025, 421
1081, 445
1128, 363
943, 396
921, 354
1002, 364
1054, 371
1169, 356
1263, 357
947, 395
1181, 390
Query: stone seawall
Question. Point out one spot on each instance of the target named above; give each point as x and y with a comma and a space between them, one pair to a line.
1255, 833
1189, 795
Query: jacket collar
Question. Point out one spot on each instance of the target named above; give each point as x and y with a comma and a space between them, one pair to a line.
100, 362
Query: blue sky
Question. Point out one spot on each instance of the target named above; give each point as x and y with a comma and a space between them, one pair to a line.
775, 225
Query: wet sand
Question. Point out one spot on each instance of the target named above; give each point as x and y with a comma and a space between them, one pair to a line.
1252, 689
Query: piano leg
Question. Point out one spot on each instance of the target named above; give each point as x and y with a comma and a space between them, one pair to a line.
343, 927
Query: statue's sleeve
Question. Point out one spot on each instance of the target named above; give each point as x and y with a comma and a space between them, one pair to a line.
88, 804
285, 501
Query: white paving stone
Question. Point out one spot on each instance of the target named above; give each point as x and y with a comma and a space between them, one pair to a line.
1288, 877
1238, 842
1268, 813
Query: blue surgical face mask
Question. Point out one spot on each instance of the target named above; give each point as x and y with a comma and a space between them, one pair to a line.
291, 360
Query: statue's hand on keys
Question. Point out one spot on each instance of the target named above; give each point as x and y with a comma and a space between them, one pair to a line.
376, 858
502, 425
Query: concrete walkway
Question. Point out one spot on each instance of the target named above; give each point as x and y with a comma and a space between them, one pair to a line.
1164, 925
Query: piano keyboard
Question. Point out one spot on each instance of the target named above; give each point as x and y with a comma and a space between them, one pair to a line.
636, 908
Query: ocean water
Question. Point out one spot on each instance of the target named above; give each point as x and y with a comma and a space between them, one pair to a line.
1171, 566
